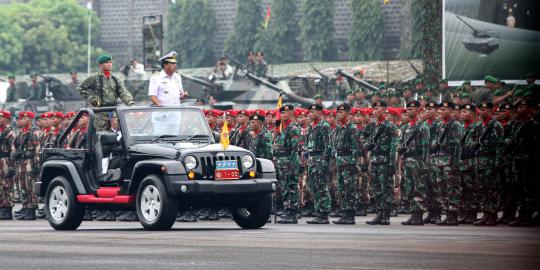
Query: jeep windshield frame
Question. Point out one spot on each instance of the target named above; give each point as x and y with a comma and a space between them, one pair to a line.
163, 124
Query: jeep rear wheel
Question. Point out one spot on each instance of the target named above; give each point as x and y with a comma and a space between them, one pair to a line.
155, 208
255, 215
64, 212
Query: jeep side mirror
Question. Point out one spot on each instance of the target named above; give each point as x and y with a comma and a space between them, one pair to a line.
217, 136
108, 139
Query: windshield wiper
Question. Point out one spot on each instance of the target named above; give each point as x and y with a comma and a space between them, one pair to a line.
162, 136
196, 136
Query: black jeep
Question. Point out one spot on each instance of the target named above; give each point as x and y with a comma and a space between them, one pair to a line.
161, 160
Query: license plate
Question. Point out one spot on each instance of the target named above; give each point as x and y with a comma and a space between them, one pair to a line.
226, 170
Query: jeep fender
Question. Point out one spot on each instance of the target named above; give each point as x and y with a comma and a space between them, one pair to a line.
265, 168
53, 168
154, 166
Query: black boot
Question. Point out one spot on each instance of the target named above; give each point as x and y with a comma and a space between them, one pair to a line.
224, 213
41, 213
492, 219
436, 217
361, 211
524, 219
88, 215
404, 207
335, 213
28, 214
385, 220
204, 214
377, 219
290, 217
393, 213
3, 213
8, 213
509, 214
418, 219
321, 219
213, 215
188, 216
128, 216
482, 221
414, 216
471, 217
346, 219
429, 216
450, 220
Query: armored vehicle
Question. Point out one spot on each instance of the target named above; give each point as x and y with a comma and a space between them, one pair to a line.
161, 160
482, 41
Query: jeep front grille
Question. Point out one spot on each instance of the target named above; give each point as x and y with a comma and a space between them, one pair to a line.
208, 165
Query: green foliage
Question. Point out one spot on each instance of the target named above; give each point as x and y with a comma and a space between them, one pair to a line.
367, 33
173, 24
194, 34
279, 41
317, 31
248, 18
45, 36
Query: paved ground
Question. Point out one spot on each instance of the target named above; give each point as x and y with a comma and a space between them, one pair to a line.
222, 245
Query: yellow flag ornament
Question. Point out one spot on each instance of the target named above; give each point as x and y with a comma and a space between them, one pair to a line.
224, 136
386, 2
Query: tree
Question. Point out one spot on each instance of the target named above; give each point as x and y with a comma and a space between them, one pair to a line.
367, 31
173, 24
248, 17
414, 49
45, 36
279, 41
317, 31
195, 35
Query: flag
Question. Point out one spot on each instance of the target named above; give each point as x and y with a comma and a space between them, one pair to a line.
386, 2
224, 136
278, 114
267, 16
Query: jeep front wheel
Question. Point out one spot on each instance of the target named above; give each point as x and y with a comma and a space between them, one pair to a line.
155, 209
255, 215
64, 212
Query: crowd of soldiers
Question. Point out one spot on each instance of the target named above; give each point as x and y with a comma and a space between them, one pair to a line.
430, 159
20, 157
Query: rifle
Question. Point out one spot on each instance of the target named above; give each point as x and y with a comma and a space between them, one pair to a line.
418, 73
236, 62
405, 145
441, 139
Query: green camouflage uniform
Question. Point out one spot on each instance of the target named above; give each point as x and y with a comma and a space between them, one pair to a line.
363, 166
383, 142
415, 148
347, 153
491, 140
508, 187
525, 141
319, 151
261, 145
240, 136
433, 192
6, 167
467, 165
25, 152
104, 95
286, 148
446, 161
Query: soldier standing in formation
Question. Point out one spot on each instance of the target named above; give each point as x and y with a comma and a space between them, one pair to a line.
7, 172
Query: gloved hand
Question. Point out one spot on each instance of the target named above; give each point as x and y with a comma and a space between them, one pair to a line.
94, 101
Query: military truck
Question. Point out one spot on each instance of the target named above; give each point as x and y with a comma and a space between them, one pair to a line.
161, 160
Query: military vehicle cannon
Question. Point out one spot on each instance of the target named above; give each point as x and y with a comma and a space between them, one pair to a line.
483, 41
368, 88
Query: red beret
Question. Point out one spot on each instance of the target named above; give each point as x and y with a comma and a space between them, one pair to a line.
270, 112
394, 111
5, 114
325, 112
260, 112
27, 114
216, 112
69, 114
205, 111
44, 115
244, 112
56, 114
332, 113
231, 113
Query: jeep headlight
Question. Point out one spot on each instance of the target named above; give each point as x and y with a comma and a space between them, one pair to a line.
190, 162
247, 161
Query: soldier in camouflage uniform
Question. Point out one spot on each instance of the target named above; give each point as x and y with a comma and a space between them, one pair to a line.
6, 167
525, 141
467, 163
103, 89
286, 148
347, 153
490, 146
319, 152
360, 118
434, 196
25, 153
414, 149
240, 135
508, 203
305, 196
260, 143
446, 157
382, 144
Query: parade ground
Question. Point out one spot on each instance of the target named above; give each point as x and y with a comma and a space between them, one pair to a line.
223, 245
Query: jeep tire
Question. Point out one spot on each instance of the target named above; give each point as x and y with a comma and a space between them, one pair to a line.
155, 208
255, 215
64, 212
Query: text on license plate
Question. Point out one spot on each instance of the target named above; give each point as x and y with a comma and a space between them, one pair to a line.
226, 170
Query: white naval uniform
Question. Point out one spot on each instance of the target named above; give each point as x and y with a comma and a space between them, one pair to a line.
167, 89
